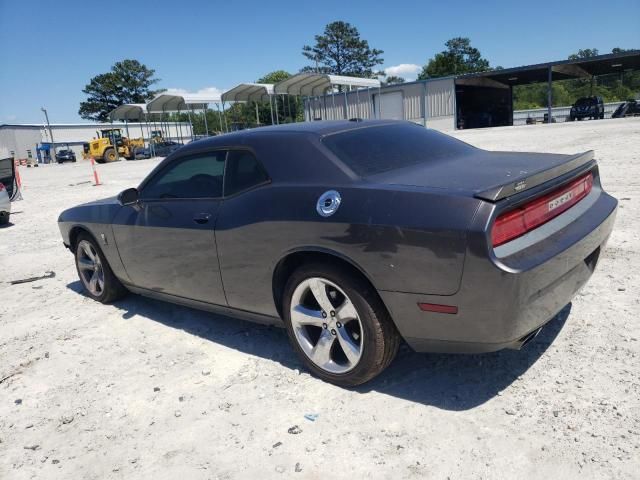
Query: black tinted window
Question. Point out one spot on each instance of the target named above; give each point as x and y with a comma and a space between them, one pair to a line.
378, 149
243, 172
192, 177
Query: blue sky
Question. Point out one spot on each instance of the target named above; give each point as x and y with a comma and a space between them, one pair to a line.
50, 49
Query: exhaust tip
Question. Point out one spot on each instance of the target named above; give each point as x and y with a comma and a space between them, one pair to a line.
528, 337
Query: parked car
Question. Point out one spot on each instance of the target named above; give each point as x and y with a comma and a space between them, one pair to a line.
587, 107
8, 188
65, 156
630, 108
354, 236
160, 149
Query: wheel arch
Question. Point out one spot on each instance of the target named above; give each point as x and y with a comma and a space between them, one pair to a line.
295, 258
75, 231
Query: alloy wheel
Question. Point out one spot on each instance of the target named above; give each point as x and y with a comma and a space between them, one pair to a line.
326, 325
90, 268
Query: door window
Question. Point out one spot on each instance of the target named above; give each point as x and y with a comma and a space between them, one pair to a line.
243, 171
198, 176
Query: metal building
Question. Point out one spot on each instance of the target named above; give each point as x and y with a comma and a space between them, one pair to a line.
430, 103
466, 101
34, 140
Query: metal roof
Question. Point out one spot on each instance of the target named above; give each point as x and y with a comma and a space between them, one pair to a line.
200, 98
172, 103
248, 92
310, 84
561, 70
128, 111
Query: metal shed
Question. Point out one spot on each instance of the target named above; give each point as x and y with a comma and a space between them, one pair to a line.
318, 105
251, 92
465, 101
430, 103
167, 103
486, 99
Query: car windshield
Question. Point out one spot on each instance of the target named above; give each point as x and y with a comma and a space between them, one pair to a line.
111, 134
381, 148
584, 101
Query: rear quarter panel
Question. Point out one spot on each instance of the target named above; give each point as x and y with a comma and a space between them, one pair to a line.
403, 239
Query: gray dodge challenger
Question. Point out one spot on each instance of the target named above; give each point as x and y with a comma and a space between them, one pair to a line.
354, 235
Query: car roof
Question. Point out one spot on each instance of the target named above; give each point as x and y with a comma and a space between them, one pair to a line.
315, 165
319, 128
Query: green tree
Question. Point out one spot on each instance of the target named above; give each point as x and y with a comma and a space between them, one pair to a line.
128, 81
341, 51
274, 77
459, 58
288, 107
619, 50
392, 80
584, 53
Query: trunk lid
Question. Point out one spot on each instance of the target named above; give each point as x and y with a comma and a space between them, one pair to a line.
487, 175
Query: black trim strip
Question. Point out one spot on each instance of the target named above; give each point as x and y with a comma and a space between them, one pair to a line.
526, 183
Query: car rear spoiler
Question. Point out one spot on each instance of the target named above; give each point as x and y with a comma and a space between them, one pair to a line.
523, 183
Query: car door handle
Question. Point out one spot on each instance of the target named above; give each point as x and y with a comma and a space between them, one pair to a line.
201, 218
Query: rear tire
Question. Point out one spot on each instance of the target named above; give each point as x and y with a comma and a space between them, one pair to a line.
110, 155
94, 271
4, 218
355, 341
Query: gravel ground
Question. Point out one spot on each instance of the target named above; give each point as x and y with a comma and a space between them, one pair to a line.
144, 389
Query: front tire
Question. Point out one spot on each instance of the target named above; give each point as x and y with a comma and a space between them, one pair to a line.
338, 325
110, 155
94, 271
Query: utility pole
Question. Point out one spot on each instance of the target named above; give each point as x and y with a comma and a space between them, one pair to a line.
46, 116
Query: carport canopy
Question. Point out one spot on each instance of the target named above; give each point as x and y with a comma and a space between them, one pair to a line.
128, 112
249, 92
172, 103
561, 70
312, 84
588, 67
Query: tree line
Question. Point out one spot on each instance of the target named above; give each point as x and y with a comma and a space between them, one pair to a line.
340, 50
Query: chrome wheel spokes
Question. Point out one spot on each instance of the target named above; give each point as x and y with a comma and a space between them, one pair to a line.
90, 268
326, 325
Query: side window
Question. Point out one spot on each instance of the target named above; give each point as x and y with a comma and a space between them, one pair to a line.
243, 171
199, 176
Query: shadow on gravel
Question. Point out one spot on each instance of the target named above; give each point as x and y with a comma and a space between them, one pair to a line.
461, 382
261, 340
446, 381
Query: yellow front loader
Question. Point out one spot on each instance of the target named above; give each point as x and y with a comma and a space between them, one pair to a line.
102, 148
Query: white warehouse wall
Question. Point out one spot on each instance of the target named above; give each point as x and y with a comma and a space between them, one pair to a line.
22, 138
408, 101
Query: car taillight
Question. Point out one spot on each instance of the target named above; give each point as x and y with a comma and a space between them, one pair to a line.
525, 218
1, 186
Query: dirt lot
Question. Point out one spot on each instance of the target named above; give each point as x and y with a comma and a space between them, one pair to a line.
144, 389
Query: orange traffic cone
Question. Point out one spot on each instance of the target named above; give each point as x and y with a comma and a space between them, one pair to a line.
95, 173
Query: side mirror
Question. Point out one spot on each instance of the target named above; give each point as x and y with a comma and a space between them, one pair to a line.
128, 197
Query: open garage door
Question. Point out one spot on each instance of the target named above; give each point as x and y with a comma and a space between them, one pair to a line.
392, 105
481, 103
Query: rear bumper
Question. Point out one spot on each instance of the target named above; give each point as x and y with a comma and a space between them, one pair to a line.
584, 114
503, 300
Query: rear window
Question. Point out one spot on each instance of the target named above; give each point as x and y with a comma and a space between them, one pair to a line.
381, 148
585, 101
